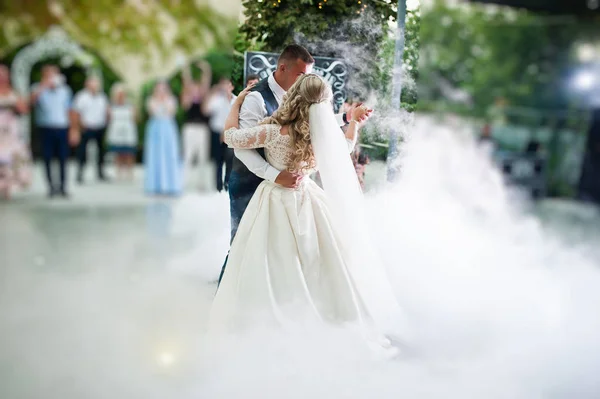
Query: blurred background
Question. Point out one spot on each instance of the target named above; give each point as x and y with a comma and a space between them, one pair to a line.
477, 60
525, 73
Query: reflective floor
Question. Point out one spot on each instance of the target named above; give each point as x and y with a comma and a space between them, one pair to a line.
100, 289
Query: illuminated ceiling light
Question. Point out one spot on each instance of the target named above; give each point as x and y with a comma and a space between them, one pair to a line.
584, 80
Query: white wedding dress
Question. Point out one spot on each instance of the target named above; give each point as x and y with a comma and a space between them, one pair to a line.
289, 260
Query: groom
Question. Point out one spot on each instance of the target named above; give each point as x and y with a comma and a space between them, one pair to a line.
250, 167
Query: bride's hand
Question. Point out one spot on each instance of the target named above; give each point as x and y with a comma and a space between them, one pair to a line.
240, 98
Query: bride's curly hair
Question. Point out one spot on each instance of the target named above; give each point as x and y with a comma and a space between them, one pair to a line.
309, 89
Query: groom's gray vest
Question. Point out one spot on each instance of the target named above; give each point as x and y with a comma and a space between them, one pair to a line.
263, 88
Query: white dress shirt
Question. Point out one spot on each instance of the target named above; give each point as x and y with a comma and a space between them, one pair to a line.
252, 112
92, 109
218, 108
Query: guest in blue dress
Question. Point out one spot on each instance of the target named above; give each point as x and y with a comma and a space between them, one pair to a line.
162, 156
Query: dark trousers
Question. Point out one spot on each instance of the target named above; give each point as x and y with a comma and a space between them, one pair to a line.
221, 154
242, 186
88, 135
55, 143
228, 163
225, 157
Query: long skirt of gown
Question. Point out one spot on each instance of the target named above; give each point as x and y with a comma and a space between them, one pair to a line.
162, 158
286, 263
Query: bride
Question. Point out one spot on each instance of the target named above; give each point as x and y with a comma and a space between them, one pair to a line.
304, 253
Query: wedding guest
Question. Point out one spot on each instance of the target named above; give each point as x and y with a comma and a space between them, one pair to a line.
217, 107
251, 80
161, 150
52, 99
14, 154
90, 110
122, 135
196, 133
360, 161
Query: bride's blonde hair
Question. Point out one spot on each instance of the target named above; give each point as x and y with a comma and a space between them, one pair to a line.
309, 89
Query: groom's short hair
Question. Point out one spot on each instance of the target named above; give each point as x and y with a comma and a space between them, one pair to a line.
295, 52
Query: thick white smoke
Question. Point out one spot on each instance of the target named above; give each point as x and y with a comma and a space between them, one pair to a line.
502, 305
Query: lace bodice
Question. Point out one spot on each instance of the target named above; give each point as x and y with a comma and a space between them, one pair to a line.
278, 147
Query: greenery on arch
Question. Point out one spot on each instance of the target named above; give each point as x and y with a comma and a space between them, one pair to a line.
359, 31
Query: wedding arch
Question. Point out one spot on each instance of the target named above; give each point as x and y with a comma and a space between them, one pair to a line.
54, 43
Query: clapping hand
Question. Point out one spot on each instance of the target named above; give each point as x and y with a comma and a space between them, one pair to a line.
359, 113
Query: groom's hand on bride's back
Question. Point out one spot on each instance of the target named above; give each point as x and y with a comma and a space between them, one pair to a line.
288, 179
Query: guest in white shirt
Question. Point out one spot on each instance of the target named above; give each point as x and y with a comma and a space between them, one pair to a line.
122, 135
53, 99
91, 110
217, 107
